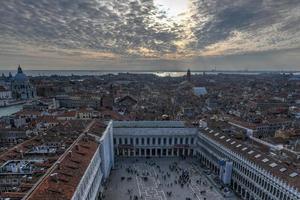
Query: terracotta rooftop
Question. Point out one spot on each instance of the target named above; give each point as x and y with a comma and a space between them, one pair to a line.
27, 113
97, 128
62, 179
64, 134
68, 114
14, 152
12, 195
47, 119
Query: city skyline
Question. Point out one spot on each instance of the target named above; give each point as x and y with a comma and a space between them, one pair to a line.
150, 35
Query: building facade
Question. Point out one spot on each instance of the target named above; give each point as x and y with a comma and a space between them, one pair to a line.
251, 180
21, 87
251, 174
153, 138
5, 96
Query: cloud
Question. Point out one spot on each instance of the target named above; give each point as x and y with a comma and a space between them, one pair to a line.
114, 26
136, 30
241, 26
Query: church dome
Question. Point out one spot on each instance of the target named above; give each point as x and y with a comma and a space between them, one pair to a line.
20, 76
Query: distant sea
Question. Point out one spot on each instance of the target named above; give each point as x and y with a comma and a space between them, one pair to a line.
159, 73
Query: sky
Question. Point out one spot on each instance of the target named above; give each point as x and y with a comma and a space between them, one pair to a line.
150, 35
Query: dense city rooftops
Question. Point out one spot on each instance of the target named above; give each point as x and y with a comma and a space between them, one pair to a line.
61, 180
35, 156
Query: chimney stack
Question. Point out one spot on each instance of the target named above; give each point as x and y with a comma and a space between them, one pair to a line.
22, 154
58, 165
54, 177
70, 154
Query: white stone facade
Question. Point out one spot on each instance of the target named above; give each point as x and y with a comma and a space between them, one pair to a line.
154, 139
90, 186
249, 180
159, 139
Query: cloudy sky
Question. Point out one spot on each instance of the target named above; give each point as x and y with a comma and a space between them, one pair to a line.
150, 34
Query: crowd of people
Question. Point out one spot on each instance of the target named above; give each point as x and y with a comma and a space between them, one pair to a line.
160, 179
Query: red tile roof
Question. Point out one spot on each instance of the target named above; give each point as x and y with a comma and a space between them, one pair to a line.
62, 179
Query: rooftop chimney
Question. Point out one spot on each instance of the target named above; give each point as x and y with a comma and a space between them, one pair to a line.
54, 177
58, 165
70, 154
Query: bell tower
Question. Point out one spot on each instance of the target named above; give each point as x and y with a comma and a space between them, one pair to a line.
188, 75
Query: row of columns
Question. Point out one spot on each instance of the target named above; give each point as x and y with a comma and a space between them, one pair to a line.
158, 152
166, 141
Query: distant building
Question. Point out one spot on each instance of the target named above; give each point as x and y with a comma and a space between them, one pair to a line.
22, 89
188, 75
5, 96
126, 103
199, 91
78, 101
9, 137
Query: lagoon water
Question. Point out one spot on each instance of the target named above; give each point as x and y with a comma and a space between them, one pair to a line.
6, 111
103, 72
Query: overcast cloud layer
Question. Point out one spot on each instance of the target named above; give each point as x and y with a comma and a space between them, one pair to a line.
136, 34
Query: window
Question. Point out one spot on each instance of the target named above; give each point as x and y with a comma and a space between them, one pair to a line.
148, 141
153, 141
120, 140
137, 141
159, 141
143, 141
175, 141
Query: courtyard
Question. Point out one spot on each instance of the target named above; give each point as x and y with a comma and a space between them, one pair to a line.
160, 179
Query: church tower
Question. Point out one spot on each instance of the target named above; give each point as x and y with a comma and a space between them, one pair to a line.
188, 75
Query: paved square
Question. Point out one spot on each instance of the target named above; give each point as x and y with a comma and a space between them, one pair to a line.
159, 179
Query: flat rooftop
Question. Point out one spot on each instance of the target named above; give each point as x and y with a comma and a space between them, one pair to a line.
19, 167
149, 124
147, 128
157, 179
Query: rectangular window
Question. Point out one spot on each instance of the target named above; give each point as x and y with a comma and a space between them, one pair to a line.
137, 141
159, 141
